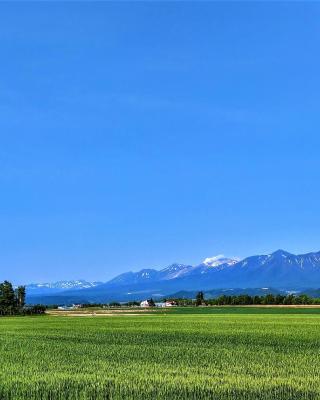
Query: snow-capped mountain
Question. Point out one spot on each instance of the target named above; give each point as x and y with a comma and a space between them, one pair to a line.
145, 275
54, 287
216, 261
279, 270
173, 271
150, 275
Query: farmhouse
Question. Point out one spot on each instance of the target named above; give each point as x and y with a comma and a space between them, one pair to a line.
170, 303
145, 303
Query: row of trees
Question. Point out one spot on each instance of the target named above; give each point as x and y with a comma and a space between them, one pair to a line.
268, 299
245, 299
12, 301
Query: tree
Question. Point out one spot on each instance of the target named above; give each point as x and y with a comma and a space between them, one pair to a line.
151, 303
256, 300
21, 296
7, 298
288, 300
199, 298
269, 299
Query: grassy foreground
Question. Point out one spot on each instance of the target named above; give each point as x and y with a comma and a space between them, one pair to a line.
224, 353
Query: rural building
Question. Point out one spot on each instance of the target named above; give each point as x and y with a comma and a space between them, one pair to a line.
170, 303
160, 304
145, 303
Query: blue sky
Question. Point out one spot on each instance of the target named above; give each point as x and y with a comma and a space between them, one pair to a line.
134, 135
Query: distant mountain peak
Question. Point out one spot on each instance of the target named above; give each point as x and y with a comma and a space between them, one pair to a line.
174, 267
174, 271
281, 253
218, 260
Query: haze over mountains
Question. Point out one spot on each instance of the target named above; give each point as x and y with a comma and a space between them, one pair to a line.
280, 271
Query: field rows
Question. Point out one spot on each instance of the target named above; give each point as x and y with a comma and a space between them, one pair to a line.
223, 355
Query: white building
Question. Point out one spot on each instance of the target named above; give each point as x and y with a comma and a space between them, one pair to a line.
145, 303
170, 303
160, 304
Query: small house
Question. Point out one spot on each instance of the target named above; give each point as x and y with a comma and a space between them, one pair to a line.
170, 303
145, 303
160, 304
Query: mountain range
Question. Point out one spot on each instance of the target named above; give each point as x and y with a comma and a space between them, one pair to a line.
60, 286
281, 271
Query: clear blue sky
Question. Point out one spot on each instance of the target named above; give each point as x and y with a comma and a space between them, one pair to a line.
134, 135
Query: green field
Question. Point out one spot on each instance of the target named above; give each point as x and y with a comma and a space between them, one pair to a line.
216, 353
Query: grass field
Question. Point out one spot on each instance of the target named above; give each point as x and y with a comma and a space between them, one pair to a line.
211, 353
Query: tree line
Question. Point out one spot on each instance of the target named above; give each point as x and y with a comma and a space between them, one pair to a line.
245, 299
235, 300
12, 301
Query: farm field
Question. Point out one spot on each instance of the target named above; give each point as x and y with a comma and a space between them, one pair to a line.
209, 353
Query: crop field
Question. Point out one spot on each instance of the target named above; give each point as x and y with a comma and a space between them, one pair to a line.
214, 353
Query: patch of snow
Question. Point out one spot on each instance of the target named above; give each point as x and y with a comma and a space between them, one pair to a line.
218, 260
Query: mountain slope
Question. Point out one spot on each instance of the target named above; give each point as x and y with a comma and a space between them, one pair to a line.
279, 270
